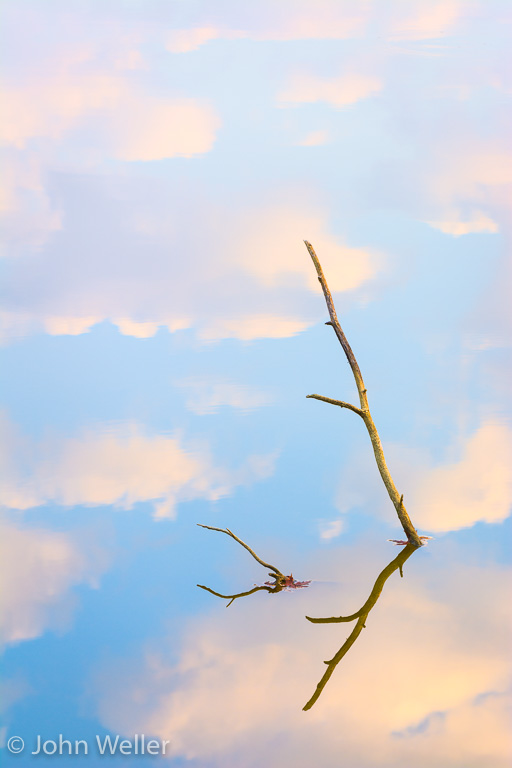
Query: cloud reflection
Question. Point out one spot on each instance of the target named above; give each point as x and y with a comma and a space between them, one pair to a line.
476, 487
119, 466
421, 675
39, 568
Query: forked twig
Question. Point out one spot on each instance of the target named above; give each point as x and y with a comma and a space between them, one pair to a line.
364, 410
232, 598
361, 615
275, 570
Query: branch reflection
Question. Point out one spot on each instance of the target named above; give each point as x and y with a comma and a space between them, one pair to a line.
280, 581
232, 598
361, 615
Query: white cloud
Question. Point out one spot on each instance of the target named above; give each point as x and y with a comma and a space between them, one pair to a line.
476, 487
296, 20
69, 326
39, 569
162, 128
331, 529
458, 226
186, 40
271, 253
25, 205
314, 139
118, 466
138, 330
424, 21
470, 169
124, 121
253, 327
243, 273
337, 91
204, 396
89, 112
50, 107
176, 254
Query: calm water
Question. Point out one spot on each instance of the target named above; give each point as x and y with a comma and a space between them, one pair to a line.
162, 325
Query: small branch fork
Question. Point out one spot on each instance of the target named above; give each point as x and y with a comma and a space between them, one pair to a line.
280, 580
361, 615
276, 573
232, 598
340, 403
364, 410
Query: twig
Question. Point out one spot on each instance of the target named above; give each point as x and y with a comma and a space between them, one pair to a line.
276, 571
361, 615
364, 411
340, 403
231, 598
333, 663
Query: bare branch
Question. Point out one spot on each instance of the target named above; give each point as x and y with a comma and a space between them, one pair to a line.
337, 328
338, 619
275, 570
340, 403
410, 531
361, 615
231, 598
333, 663
396, 563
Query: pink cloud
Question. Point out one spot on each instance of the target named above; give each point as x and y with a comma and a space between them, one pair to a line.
39, 568
119, 467
423, 21
337, 91
475, 487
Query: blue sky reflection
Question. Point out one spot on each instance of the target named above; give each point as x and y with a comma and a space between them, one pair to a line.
161, 325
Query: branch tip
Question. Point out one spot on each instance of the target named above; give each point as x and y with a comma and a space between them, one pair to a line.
276, 571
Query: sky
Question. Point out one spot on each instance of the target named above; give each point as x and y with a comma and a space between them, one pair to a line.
161, 324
